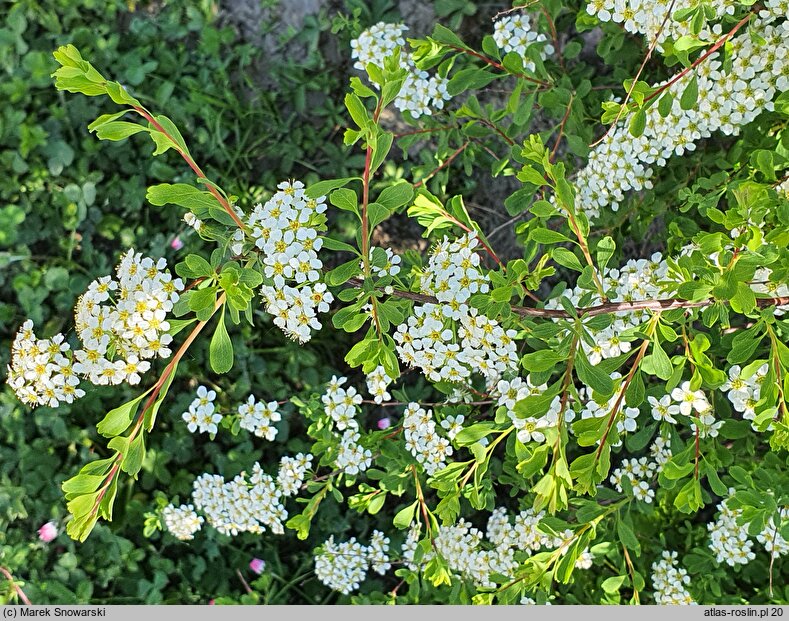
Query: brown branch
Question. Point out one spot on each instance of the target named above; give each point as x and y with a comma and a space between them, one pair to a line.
193, 165
651, 49
446, 163
561, 128
701, 58
16, 587
430, 130
589, 311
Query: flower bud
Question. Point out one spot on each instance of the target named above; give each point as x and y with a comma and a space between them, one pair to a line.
48, 532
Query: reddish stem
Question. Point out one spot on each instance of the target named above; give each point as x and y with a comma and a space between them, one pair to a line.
497, 65
701, 58
193, 165
16, 587
446, 163
561, 128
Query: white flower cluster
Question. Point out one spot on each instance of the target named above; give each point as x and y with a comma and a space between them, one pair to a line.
383, 262
284, 230
202, 415
682, 400
726, 102
626, 417
513, 33
427, 339
638, 279
242, 505
343, 566
259, 417
341, 404
421, 93
771, 539
453, 274
640, 472
670, 581
761, 283
182, 522
530, 429
40, 373
454, 425
409, 547
377, 383
121, 324
292, 471
728, 540
648, 16
127, 317
744, 393
193, 221
461, 545
352, 457
422, 439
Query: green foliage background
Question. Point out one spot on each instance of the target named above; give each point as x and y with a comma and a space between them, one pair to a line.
70, 204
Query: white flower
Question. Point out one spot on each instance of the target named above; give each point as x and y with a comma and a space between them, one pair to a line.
663, 409
689, 400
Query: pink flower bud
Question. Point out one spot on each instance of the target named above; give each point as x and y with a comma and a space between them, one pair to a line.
48, 532
257, 565
211, 602
176, 244
384, 423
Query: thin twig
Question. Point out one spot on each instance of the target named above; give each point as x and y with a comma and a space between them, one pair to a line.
589, 311
16, 587
446, 163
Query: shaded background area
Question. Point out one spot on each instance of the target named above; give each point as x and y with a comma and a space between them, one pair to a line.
256, 88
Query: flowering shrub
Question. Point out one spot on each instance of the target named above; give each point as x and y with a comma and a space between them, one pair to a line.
569, 409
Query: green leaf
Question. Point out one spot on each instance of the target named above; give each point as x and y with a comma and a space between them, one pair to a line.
442, 34
198, 266
132, 459
383, 145
542, 360
638, 123
118, 130
690, 95
665, 103
118, 420
336, 244
566, 259
744, 300
82, 484
357, 110
203, 204
613, 584
376, 213
220, 351
322, 188
547, 236
405, 516
469, 78
661, 363
529, 174
627, 536
473, 433
345, 199
594, 377
343, 273
396, 195
605, 250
